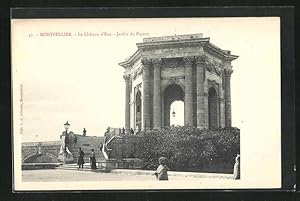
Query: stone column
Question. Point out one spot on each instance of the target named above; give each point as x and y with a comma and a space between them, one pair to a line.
156, 94
188, 96
200, 92
206, 111
227, 74
127, 103
146, 94
222, 113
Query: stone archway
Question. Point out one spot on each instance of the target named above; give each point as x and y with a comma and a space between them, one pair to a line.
177, 113
173, 92
212, 108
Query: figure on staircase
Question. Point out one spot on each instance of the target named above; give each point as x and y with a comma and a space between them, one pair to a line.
80, 161
131, 131
93, 160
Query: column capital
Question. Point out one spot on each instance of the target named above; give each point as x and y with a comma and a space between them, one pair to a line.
228, 73
156, 62
126, 77
146, 62
188, 61
200, 60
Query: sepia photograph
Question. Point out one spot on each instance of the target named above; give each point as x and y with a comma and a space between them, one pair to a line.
141, 104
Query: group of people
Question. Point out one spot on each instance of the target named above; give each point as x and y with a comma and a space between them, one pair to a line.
131, 131
161, 172
80, 160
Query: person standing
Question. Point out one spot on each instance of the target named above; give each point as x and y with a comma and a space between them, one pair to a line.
93, 160
80, 161
84, 132
161, 172
236, 168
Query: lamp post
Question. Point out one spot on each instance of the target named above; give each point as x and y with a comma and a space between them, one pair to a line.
173, 113
67, 126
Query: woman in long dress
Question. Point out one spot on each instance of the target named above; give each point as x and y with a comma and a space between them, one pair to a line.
93, 160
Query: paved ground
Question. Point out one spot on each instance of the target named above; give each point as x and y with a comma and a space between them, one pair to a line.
70, 175
57, 175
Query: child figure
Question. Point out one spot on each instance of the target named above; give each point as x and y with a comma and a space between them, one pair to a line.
161, 172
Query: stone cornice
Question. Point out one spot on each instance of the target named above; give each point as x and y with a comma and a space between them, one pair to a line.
222, 54
131, 60
172, 43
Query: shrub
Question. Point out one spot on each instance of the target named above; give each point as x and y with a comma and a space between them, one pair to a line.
190, 148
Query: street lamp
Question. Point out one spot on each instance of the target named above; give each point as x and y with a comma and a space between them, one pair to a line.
67, 126
173, 113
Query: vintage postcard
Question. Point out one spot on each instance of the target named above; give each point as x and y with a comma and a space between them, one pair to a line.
156, 103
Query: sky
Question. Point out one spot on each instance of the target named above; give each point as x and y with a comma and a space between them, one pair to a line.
78, 79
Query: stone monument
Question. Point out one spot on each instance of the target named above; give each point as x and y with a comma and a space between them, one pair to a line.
182, 67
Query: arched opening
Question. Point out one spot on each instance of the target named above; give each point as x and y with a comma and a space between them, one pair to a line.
41, 158
177, 113
138, 110
173, 93
212, 108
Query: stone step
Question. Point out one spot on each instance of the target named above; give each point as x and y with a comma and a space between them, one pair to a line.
74, 166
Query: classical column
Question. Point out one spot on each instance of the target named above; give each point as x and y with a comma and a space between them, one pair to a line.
227, 74
200, 92
156, 94
188, 96
127, 103
206, 111
222, 112
146, 94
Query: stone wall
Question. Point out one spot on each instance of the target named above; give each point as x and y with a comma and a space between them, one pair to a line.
47, 153
124, 147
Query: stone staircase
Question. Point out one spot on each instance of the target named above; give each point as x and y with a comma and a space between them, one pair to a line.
86, 167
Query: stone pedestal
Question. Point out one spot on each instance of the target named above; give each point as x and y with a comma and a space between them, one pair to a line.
65, 157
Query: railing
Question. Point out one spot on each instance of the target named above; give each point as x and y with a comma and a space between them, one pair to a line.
110, 134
